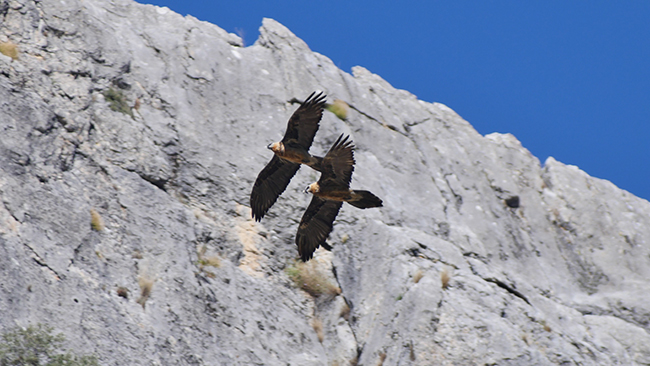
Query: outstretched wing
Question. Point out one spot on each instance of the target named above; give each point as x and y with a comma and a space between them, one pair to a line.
315, 226
337, 166
303, 124
270, 184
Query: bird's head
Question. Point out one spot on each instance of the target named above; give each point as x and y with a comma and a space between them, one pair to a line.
276, 147
312, 188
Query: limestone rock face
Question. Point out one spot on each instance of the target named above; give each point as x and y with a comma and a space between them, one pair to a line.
158, 124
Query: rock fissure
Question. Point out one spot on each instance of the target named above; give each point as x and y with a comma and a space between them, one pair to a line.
508, 288
41, 262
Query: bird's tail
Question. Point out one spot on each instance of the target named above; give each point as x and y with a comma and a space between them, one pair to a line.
364, 199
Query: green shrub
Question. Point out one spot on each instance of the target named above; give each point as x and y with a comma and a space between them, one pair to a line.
339, 108
117, 101
36, 346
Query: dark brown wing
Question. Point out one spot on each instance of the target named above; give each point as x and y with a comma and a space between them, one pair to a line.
270, 184
303, 124
337, 166
315, 226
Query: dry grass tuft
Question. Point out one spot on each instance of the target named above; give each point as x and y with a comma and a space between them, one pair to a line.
345, 312
309, 278
382, 358
9, 49
212, 261
96, 221
146, 285
208, 261
317, 324
345, 238
418, 276
445, 277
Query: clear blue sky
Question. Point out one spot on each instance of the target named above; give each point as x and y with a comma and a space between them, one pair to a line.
570, 79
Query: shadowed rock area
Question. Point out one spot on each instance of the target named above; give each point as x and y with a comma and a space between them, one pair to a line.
130, 138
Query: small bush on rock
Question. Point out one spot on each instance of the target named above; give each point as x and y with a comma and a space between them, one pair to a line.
36, 346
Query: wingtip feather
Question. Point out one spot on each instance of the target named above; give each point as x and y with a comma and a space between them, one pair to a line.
316, 99
343, 142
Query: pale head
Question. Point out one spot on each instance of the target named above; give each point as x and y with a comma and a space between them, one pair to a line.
312, 188
276, 147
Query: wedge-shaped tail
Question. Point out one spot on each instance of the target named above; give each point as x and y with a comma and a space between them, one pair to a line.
364, 199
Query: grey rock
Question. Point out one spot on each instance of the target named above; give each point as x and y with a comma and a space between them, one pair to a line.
448, 272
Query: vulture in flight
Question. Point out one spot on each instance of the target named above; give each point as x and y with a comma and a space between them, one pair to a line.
289, 153
329, 192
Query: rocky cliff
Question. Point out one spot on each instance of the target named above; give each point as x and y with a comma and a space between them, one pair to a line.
130, 138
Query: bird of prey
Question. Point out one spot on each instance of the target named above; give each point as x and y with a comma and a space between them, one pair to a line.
331, 190
289, 153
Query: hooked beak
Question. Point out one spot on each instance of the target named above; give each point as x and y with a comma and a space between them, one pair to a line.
306, 189
269, 146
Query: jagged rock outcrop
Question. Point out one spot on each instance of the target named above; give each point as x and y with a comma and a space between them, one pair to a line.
158, 124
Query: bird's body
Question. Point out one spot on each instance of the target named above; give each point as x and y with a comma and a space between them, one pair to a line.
289, 154
331, 190
296, 154
357, 198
